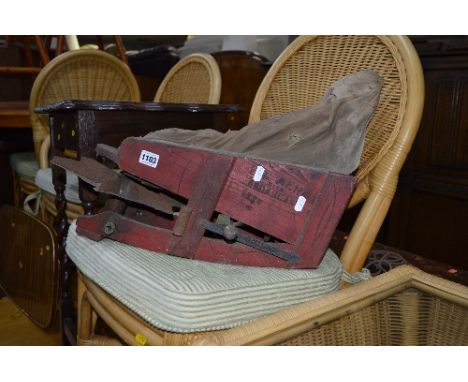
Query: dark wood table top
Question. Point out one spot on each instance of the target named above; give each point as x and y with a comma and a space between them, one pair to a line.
73, 105
14, 114
111, 121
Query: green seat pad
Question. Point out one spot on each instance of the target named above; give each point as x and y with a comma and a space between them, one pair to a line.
183, 295
24, 164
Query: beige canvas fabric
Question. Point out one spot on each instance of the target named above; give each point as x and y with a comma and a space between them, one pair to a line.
328, 136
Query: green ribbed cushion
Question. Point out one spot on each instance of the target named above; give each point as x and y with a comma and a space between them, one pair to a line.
183, 295
24, 164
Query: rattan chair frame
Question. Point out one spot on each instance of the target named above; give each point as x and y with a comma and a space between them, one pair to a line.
79, 75
405, 306
300, 76
377, 176
194, 79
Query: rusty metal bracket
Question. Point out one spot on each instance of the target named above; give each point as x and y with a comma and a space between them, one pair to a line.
110, 182
269, 248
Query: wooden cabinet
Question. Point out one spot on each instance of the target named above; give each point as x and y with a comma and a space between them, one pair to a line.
242, 73
429, 215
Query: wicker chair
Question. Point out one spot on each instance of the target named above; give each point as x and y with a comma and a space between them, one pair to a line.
79, 74
405, 306
298, 78
194, 79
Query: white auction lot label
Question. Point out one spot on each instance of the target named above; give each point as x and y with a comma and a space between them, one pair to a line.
300, 204
148, 158
258, 174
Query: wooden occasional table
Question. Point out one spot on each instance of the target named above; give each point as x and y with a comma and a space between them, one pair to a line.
76, 127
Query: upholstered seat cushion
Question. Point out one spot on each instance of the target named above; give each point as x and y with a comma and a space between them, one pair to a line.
43, 180
183, 295
24, 164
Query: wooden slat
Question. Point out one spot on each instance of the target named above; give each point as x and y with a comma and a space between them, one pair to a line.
18, 70
14, 114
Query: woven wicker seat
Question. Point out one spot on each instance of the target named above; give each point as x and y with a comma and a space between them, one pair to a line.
405, 306
299, 78
79, 74
194, 79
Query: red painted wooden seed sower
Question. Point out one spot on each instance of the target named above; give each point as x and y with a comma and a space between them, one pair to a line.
296, 207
